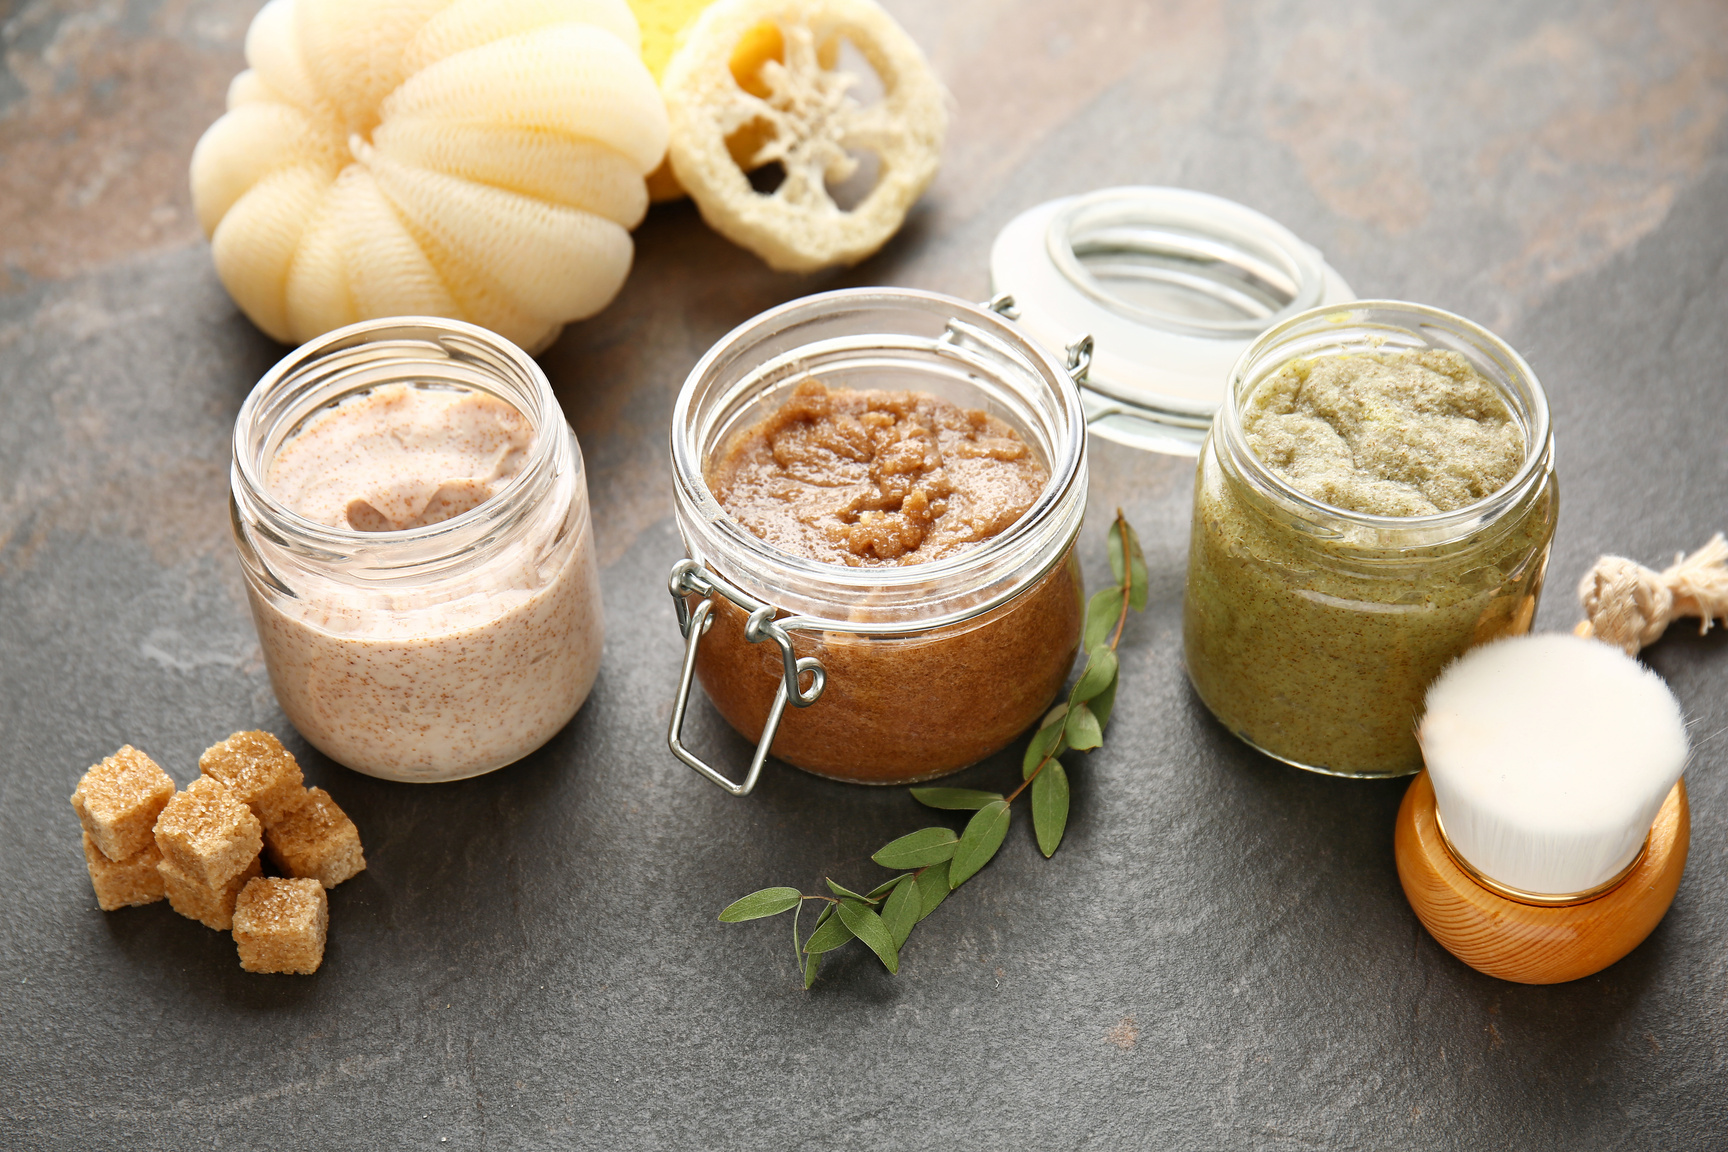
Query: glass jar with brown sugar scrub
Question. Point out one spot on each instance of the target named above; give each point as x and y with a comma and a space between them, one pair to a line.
879, 492
1376, 496
412, 518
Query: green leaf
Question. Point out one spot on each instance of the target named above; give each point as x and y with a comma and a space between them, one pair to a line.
1136, 563
839, 891
812, 964
767, 902
916, 849
1083, 729
1047, 741
1104, 703
1102, 612
1100, 671
932, 888
831, 932
1113, 546
868, 927
983, 835
1050, 807
954, 799
883, 888
797, 937
901, 911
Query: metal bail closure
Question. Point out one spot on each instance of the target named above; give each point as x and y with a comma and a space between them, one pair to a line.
690, 578
1079, 353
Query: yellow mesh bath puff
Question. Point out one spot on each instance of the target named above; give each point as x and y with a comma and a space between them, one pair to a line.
477, 159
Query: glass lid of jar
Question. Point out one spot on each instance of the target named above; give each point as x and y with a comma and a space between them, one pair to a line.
1172, 284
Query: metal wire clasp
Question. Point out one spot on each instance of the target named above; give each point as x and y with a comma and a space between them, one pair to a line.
690, 578
1079, 353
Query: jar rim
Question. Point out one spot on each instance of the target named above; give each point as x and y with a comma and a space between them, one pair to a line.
1531, 410
535, 401
1065, 444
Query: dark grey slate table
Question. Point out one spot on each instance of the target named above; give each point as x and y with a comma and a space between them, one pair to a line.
1219, 957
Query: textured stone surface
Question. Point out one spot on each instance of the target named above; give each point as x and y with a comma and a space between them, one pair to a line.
1218, 958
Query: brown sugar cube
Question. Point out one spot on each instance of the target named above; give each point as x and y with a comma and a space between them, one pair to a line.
118, 801
207, 834
317, 840
119, 883
280, 925
261, 773
211, 907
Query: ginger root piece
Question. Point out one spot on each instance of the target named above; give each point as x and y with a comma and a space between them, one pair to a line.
118, 800
807, 121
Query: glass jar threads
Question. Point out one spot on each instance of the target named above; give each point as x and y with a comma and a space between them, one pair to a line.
428, 630
878, 674
1312, 631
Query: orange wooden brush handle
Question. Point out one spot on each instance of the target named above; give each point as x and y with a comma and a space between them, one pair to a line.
1520, 942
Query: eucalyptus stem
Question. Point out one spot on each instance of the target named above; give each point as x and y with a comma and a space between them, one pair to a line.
1127, 585
934, 861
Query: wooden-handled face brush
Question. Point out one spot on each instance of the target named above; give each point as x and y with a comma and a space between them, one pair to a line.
1547, 837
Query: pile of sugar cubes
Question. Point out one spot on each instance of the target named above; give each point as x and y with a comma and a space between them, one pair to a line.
200, 848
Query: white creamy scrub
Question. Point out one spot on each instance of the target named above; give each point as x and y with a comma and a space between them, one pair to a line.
461, 665
400, 456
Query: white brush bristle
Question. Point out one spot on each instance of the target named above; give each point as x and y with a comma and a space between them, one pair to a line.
1550, 757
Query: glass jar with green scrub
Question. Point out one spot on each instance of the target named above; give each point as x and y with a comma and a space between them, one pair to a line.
1376, 496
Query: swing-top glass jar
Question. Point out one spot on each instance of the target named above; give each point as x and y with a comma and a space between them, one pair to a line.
900, 672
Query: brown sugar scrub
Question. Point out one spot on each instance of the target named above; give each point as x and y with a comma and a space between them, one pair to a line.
1361, 518
890, 479
875, 477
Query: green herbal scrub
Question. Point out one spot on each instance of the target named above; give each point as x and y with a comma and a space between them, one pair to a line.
1409, 434
1313, 636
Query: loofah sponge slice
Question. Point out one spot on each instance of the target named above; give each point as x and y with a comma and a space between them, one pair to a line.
803, 117
663, 25
1550, 756
477, 159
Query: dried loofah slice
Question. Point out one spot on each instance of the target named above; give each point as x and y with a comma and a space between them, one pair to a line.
808, 123
477, 159
663, 23
1550, 756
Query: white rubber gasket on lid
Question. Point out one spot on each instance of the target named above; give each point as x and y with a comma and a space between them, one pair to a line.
1172, 284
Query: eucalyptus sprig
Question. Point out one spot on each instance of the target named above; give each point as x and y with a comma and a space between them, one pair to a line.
933, 861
